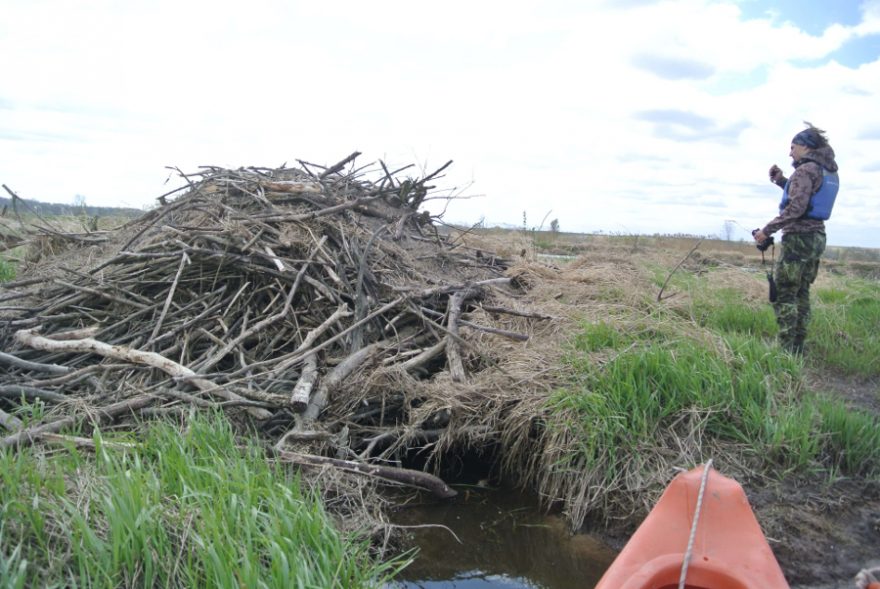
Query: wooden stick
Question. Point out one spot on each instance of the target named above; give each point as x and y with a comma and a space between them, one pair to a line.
335, 377
517, 313
677, 266
412, 478
299, 400
424, 357
292, 186
341, 312
89, 345
332, 169
81, 442
16, 391
278, 263
520, 337
184, 259
18, 362
74, 333
453, 354
100, 293
27, 436
10, 422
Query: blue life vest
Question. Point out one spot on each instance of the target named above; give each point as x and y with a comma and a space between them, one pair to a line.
822, 202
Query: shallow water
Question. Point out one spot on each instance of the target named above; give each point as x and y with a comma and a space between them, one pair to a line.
501, 540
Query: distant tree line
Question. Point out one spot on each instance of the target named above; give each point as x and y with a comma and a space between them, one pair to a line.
78, 208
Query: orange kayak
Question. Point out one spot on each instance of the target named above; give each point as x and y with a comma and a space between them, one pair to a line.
729, 549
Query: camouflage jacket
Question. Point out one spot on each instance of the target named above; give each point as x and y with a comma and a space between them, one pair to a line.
805, 182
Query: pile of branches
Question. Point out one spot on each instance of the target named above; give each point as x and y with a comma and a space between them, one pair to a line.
282, 296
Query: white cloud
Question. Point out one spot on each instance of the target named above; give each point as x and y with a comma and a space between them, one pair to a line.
658, 117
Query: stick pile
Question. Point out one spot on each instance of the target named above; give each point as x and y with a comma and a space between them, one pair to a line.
283, 295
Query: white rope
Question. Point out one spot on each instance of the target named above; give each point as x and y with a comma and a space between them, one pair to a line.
690, 546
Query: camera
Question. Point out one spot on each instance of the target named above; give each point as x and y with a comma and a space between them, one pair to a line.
763, 245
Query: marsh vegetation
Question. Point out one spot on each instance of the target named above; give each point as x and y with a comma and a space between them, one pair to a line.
614, 388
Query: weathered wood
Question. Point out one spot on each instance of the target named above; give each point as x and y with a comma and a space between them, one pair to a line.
81, 442
299, 399
530, 315
520, 337
335, 167
10, 422
412, 478
333, 379
427, 355
453, 354
27, 436
184, 259
36, 366
74, 333
17, 391
291, 186
259, 289
30, 339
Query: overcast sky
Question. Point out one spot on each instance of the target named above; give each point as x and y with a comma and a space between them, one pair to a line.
624, 116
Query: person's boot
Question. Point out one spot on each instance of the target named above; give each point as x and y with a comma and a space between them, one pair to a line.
797, 347
786, 343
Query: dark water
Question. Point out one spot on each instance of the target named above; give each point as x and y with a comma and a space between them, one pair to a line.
503, 541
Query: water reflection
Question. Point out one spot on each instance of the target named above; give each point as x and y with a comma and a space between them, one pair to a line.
503, 542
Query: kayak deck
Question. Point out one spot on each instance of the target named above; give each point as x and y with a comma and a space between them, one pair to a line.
729, 549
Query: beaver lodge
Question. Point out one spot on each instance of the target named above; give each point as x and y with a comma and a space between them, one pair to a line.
317, 307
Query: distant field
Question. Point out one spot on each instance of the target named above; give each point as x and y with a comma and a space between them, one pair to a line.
864, 262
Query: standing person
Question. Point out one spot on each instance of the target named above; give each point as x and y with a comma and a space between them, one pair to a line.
807, 199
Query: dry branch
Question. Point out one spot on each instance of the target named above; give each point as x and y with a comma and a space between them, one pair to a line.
36, 366
319, 300
299, 399
413, 478
29, 338
27, 436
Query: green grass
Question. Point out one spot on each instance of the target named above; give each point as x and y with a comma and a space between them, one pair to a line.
726, 311
844, 333
651, 379
7, 271
180, 510
709, 377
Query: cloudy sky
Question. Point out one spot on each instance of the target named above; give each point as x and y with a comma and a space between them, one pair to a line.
625, 116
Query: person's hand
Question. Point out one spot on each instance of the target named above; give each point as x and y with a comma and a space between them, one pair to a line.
775, 174
760, 236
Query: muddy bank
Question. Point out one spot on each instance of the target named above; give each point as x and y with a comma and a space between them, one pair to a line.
822, 533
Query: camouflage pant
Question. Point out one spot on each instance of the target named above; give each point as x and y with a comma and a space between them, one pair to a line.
795, 271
